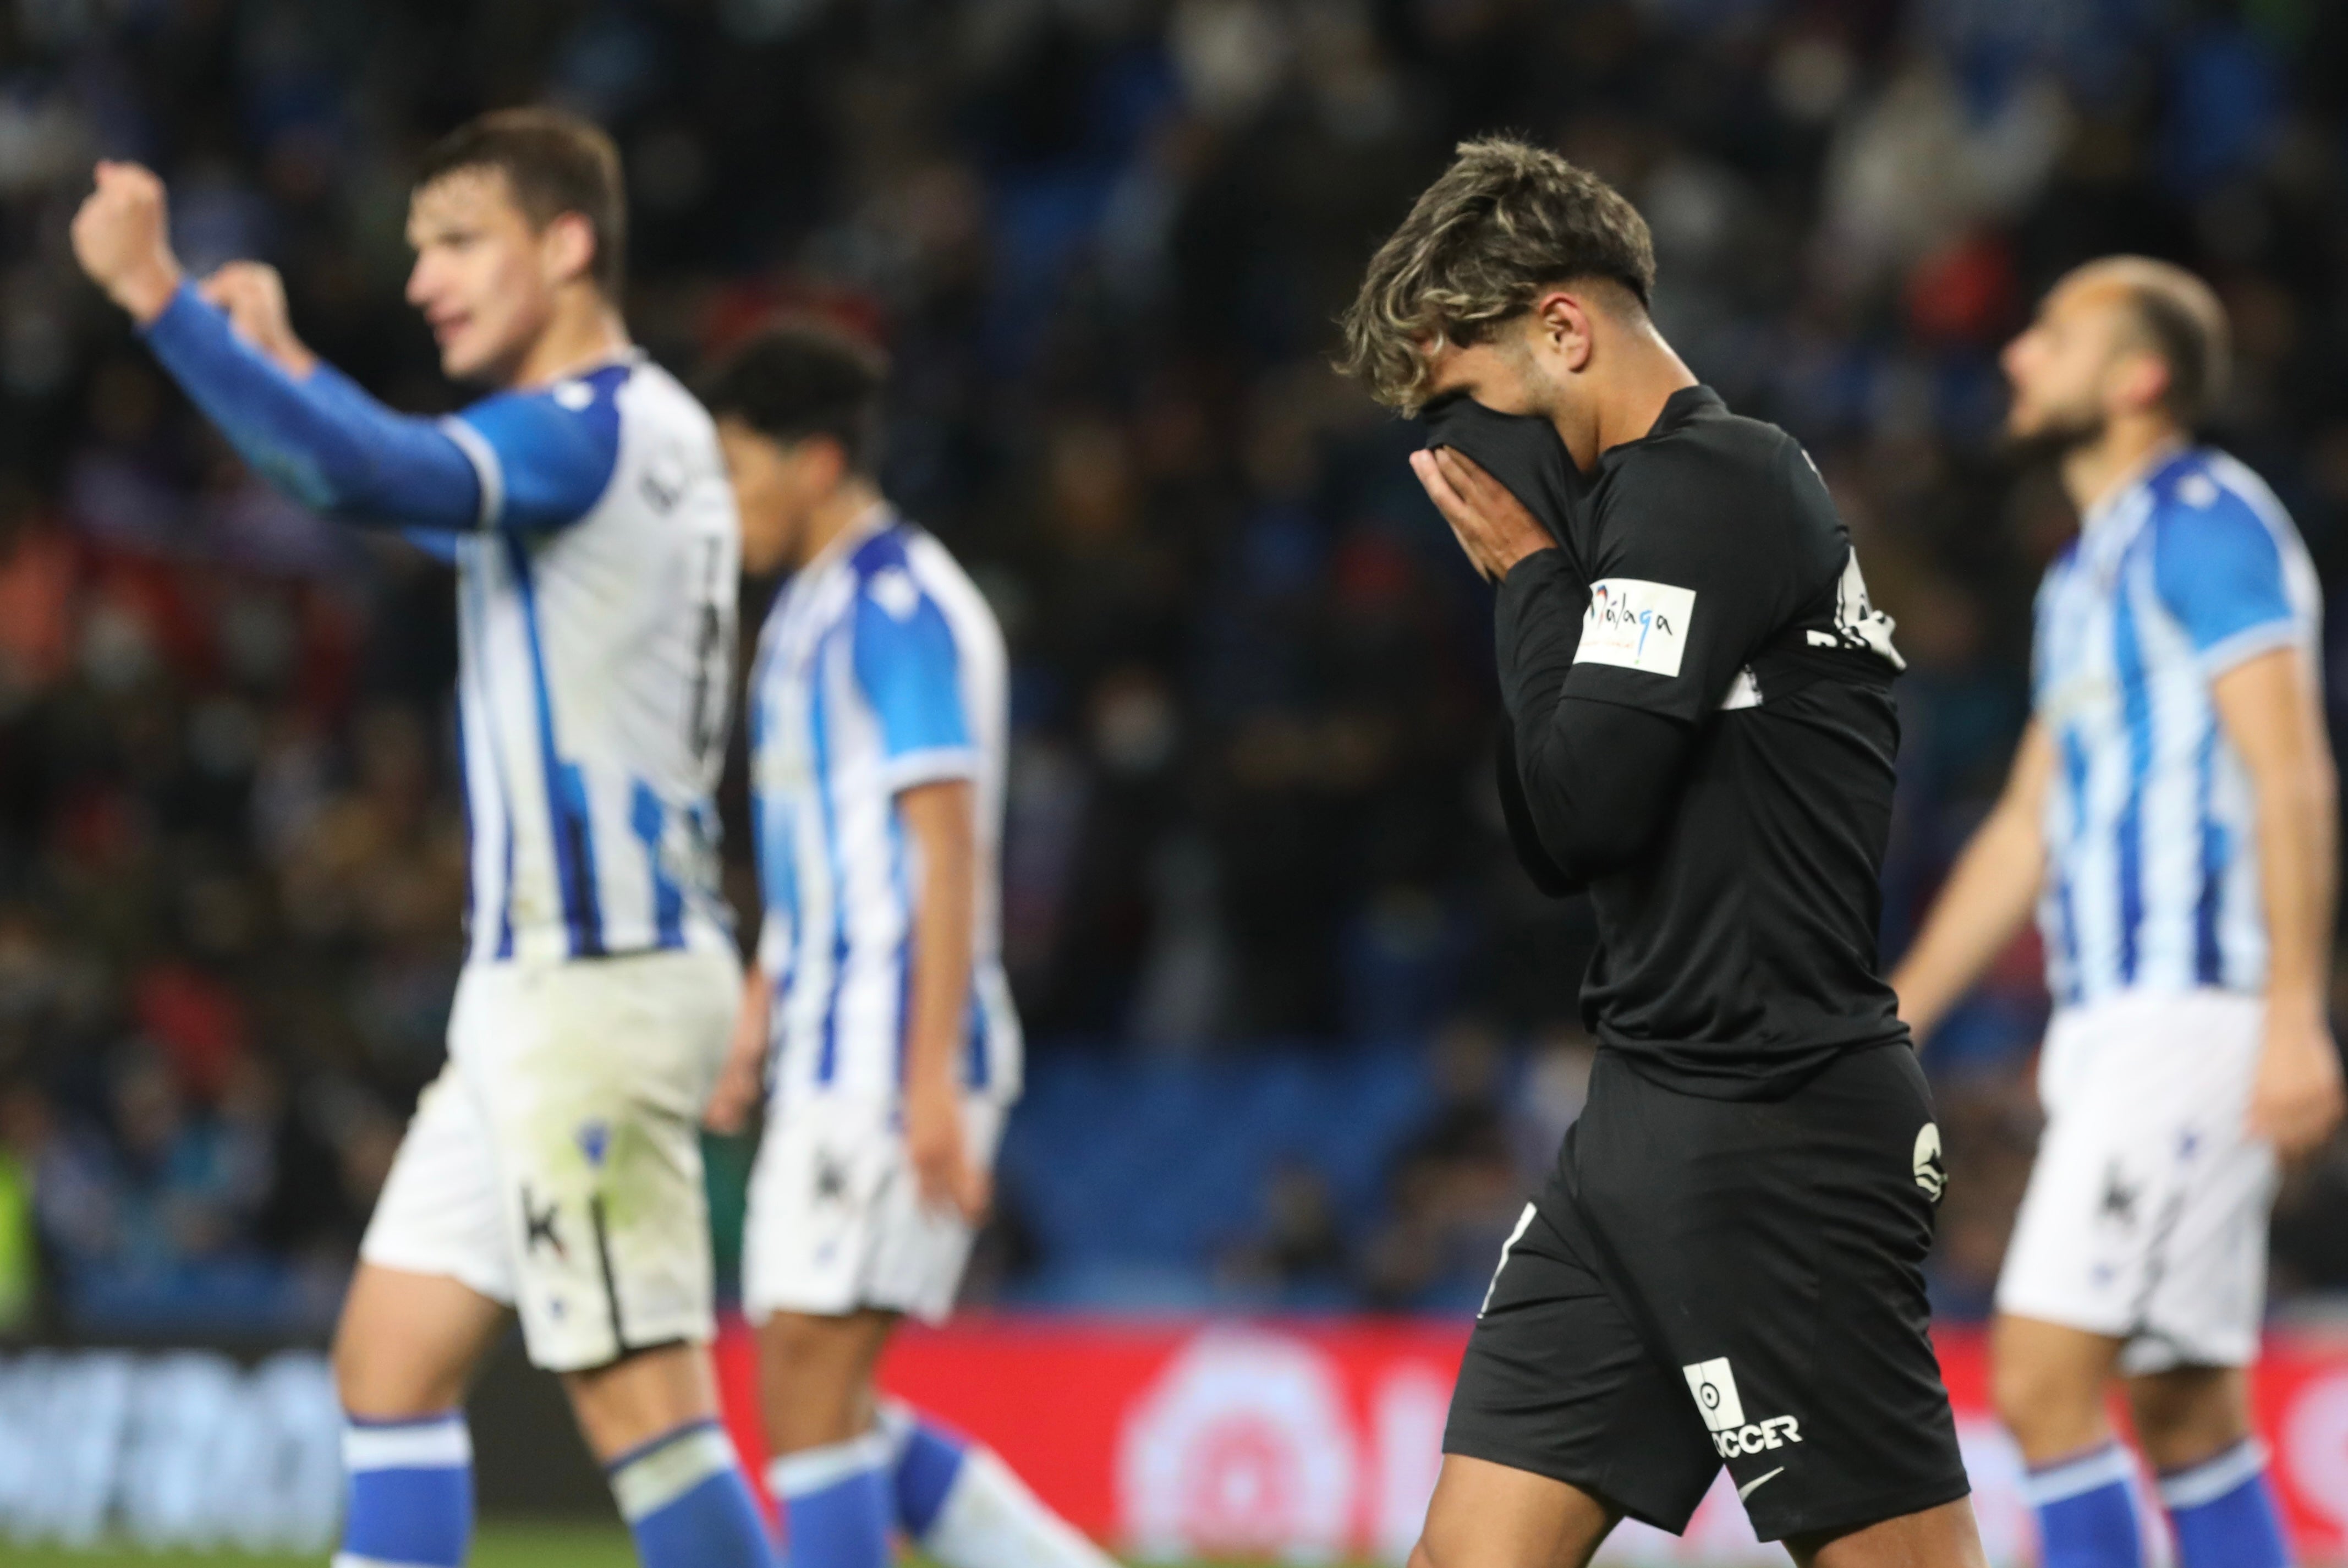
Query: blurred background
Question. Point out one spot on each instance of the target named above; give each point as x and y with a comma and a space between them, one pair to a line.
1302, 1036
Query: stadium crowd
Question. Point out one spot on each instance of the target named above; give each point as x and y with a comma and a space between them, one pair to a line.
1104, 241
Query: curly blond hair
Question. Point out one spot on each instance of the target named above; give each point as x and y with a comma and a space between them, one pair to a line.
1505, 220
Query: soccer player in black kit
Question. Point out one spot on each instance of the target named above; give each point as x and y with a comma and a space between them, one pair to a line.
1726, 1266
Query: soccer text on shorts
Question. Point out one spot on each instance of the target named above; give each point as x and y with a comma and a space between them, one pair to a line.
1714, 1388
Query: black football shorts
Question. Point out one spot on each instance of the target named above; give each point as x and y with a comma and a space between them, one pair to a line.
1706, 1282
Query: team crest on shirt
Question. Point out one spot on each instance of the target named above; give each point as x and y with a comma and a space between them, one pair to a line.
893, 590
1931, 1175
1635, 624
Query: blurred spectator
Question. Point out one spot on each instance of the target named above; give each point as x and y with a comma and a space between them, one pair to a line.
1300, 1256
1455, 1189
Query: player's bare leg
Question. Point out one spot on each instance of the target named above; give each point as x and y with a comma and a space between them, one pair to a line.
635, 1400
651, 1420
815, 1377
2194, 1425
832, 1471
1943, 1537
404, 1352
2188, 1414
407, 1344
1487, 1515
2050, 1384
826, 1424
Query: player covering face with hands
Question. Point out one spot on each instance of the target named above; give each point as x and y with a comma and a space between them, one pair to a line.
2170, 815
1726, 1266
554, 1167
877, 1027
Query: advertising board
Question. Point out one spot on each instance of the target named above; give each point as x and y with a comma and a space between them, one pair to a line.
1307, 1440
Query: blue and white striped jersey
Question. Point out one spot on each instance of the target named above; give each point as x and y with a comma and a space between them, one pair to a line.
2151, 833
596, 620
880, 667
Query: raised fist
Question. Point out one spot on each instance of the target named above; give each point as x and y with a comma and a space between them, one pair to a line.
121, 237
254, 295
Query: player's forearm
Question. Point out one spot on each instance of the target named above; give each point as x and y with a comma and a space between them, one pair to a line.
757, 988
2298, 835
320, 439
1985, 901
1600, 779
944, 914
1536, 630
2269, 708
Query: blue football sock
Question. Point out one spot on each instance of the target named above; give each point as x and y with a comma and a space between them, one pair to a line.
2086, 1511
2223, 1511
411, 1493
837, 1507
928, 1460
684, 1496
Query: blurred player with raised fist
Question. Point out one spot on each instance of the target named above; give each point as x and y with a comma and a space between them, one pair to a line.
877, 1023
2170, 815
554, 1168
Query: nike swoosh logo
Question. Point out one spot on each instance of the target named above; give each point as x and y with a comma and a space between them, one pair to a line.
1750, 1486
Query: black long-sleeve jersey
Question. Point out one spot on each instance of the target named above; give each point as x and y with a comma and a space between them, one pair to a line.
1703, 734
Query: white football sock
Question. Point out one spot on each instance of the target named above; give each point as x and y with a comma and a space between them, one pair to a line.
990, 1520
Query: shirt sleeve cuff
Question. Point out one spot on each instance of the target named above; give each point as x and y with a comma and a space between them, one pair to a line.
1545, 565
2246, 645
486, 469
184, 313
932, 765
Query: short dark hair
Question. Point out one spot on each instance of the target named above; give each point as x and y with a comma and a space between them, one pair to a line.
1505, 221
796, 379
554, 163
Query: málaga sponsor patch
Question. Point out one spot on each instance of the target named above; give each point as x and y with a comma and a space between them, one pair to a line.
1636, 625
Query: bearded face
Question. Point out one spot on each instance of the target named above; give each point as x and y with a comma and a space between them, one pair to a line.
2060, 370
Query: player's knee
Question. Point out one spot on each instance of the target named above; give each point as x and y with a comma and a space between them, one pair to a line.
795, 1346
2018, 1391
1420, 1557
2046, 1406
376, 1386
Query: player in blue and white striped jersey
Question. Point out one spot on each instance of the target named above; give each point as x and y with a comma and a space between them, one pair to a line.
881, 670
2171, 814
878, 1013
2187, 572
554, 1167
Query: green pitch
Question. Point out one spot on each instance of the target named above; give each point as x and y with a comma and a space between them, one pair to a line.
499, 1545
507, 1546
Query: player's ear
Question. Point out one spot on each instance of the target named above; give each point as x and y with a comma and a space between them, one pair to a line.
818, 464
1561, 322
568, 245
833, 456
2139, 380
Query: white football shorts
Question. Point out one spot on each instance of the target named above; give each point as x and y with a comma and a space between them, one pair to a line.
836, 1221
2146, 1217
555, 1164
